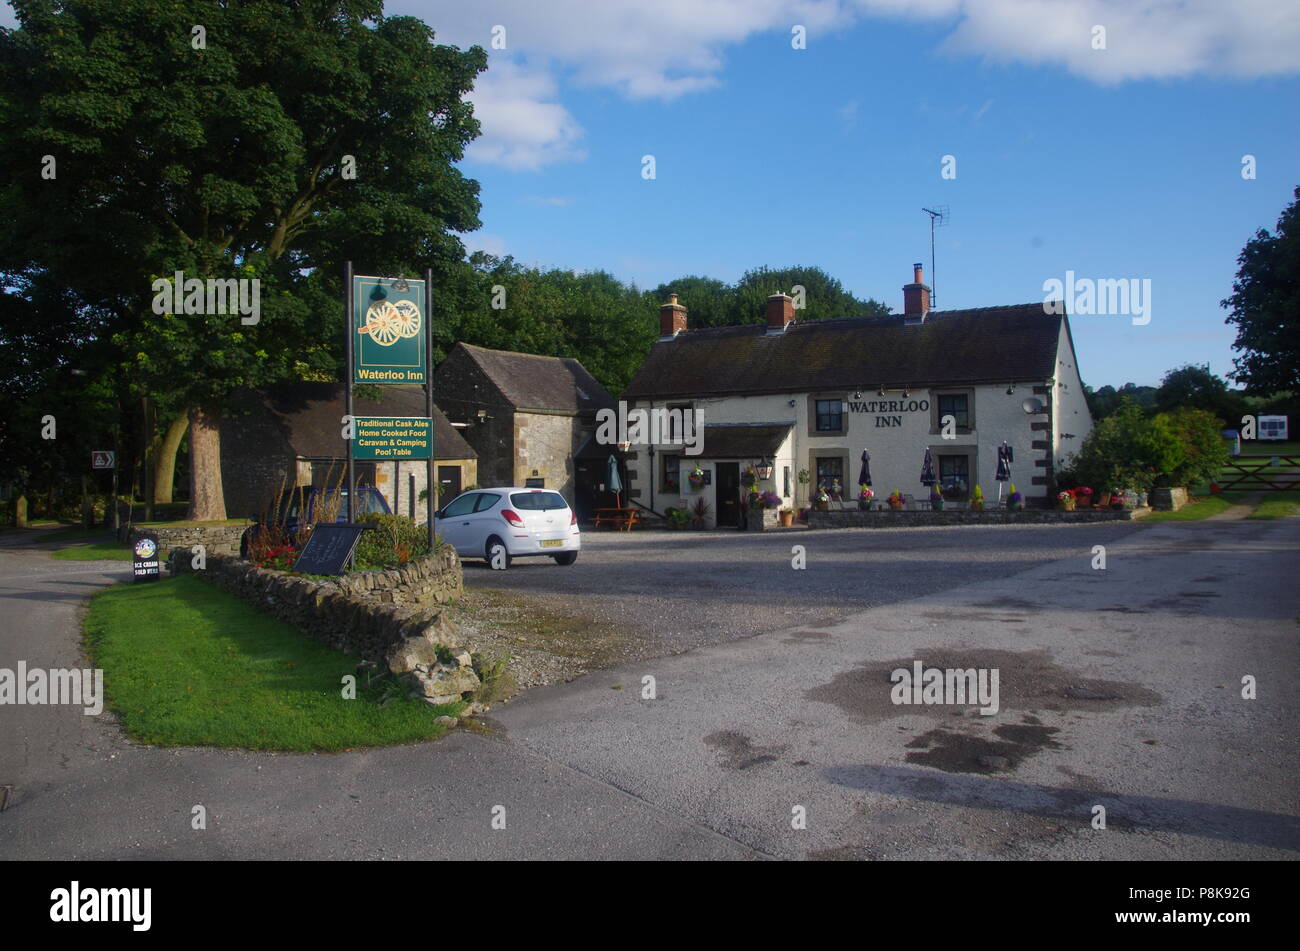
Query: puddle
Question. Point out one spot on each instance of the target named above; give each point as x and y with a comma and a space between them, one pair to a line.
738, 752
965, 753
1028, 681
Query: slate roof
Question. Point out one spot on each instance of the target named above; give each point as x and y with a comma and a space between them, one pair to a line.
309, 415
531, 381
743, 442
981, 345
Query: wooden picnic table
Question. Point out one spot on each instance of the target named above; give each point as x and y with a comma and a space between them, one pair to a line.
621, 518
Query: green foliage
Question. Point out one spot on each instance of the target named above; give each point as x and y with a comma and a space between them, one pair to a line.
1195, 387
393, 542
1265, 307
1106, 400
1126, 451
498, 682
1206, 451
677, 518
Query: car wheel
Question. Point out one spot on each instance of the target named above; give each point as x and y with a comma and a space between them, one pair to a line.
498, 556
566, 558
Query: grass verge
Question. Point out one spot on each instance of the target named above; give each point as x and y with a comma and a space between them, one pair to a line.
1277, 505
103, 549
1194, 511
186, 664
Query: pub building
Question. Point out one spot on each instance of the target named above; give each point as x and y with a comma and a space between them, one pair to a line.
814, 396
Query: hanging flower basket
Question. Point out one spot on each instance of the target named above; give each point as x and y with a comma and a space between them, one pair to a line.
696, 477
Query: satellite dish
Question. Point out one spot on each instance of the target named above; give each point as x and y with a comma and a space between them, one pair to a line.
1032, 405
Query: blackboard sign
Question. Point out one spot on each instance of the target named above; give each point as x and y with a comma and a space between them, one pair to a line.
328, 548
144, 557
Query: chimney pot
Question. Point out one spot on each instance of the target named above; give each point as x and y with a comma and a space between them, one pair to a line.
916, 297
672, 317
780, 312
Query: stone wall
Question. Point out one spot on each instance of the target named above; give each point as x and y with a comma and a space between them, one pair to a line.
891, 519
215, 539
366, 612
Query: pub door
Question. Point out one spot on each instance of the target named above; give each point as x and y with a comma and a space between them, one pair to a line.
727, 492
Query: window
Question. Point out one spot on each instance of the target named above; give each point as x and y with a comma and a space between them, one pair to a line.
486, 500
674, 431
830, 475
538, 501
954, 476
671, 472
830, 416
461, 505
957, 406
786, 482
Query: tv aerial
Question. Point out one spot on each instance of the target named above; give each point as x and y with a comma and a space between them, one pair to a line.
938, 218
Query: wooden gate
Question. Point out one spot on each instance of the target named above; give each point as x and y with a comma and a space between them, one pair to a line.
1259, 474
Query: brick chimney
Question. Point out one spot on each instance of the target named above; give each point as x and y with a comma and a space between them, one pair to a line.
672, 317
916, 298
780, 312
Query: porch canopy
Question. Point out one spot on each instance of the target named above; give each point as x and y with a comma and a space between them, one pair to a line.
722, 441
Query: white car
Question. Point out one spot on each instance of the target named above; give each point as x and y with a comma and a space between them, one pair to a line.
501, 524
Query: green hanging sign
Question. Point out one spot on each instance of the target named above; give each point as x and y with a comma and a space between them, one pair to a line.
389, 330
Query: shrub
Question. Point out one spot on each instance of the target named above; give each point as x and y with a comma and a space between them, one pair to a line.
1127, 450
1206, 451
393, 542
497, 682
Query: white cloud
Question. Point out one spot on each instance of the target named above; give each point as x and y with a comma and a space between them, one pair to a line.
551, 201
523, 126
671, 48
493, 244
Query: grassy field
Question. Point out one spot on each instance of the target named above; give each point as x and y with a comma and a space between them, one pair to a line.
1277, 505
1195, 511
188, 665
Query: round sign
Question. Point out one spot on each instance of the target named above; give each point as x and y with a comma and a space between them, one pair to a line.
145, 548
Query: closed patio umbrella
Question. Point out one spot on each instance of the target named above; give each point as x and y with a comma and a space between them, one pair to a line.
614, 482
864, 474
1005, 458
927, 470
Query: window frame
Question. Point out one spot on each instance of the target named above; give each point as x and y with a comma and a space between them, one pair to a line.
813, 400
936, 417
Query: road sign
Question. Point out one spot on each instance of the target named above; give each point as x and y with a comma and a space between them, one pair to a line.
389, 330
103, 459
391, 437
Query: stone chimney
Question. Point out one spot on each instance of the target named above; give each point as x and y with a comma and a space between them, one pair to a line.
780, 312
916, 298
672, 317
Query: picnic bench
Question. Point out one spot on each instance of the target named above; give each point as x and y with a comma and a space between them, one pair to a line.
620, 518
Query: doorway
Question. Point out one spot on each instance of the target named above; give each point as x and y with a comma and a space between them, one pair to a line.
727, 492
448, 483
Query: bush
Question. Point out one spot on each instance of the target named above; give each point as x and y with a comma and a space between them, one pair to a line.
1206, 451
393, 542
1126, 450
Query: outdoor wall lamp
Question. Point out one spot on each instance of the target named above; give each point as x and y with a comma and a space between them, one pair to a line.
1011, 388
793, 402
857, 395
906, 394
881, 391
764, 468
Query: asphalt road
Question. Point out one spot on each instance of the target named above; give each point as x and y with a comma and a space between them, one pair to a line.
1119, 688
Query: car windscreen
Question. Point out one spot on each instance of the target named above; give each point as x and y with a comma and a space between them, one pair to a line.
538, 501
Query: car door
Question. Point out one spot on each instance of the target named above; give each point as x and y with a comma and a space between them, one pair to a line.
485, 521
454, 522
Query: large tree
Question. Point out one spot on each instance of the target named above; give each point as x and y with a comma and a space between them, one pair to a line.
1265, 307
219, 139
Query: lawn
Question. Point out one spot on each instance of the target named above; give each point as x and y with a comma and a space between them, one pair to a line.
1195, 511
1277, 505
186, 664
102, 549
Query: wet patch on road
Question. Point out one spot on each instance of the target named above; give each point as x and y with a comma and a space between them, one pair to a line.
967, 753
738, 752
1028, 681
803, 637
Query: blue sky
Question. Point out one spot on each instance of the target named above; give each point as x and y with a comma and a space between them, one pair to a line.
1117, 163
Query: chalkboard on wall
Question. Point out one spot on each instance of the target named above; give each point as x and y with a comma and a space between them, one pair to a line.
328, 548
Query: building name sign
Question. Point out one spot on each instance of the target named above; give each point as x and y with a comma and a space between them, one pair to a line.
893, 410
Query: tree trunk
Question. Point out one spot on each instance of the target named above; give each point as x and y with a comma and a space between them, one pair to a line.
149, 451
87, 504
164, 461
207, 499
20, 511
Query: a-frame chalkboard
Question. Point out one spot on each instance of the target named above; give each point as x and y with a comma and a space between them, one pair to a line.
328, 548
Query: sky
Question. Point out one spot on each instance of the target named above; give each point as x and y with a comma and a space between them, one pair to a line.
1103, 137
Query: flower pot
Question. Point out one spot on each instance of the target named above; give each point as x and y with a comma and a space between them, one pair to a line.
1083, 501
823, 506
864, 505
936, 505
977, 506
1066, 505
1016, 506
896, 504
787, 519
